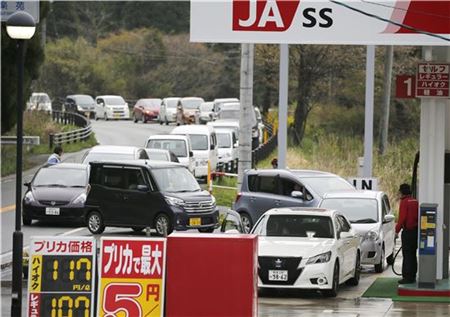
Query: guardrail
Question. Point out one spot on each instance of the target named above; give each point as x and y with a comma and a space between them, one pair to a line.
77, 135
27, 140
265, 149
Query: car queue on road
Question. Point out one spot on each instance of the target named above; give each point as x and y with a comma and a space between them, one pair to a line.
315, 229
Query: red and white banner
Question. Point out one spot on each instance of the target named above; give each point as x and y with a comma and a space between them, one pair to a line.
131, 277
386, 22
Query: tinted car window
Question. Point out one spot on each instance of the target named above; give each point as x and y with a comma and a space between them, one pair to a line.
299, 226
288, 186
133, 177
268, 184
113, 178
345, 226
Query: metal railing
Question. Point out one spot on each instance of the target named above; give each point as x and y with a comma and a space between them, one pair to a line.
265, 149
81, 134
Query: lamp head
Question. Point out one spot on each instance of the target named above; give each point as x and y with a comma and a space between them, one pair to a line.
20, 26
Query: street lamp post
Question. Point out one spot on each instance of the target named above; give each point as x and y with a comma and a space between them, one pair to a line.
20, 26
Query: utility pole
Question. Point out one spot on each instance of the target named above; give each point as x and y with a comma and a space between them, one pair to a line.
246, 98
283, 105
368, 116
388, 61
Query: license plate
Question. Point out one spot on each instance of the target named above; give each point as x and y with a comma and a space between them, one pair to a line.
278, 275
116, 115
195, 221
52, 211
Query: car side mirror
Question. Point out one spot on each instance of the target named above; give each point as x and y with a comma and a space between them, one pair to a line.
297, 194
346, 235
102, 104
235, 145
211, 147
388, 218
191, 154
142, 188
27, 184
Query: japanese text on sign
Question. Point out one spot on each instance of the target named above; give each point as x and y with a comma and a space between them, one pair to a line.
433, 80
132, 277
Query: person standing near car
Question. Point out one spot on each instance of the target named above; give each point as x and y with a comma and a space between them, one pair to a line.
407, 223
55, 158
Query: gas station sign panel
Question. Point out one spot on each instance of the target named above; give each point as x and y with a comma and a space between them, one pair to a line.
131, 277
61, 276
386, 22
433, 80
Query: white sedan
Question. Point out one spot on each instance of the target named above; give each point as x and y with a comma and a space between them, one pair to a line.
306, 248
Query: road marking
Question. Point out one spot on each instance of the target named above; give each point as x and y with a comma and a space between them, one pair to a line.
68, 233
7, 208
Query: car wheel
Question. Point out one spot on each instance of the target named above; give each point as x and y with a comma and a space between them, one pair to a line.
206, 230
162, 225
95, 223
379, 268
137, 229
247, 222
355, 279
334, 288
135, 119
26, 221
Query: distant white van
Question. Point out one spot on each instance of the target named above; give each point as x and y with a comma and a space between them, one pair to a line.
168, 110
227, 147
111, 107
204, 146
180, 145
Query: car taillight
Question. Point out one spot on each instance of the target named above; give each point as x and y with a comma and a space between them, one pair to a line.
238, 196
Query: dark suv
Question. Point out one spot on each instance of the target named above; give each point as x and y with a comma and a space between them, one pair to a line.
262, 190
138, 194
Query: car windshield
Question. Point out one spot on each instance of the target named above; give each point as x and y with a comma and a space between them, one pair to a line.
114, 101
178, 147
322, 185
84, 100
92, 157
229, 114
40, 98
175, 180
58, 177
151, 103
192, 103
157, 156
172, 103
199, 142
301, 226
357, 210
206, 107
223, 140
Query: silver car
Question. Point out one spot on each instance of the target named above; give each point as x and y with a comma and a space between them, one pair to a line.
262, 190
371, 217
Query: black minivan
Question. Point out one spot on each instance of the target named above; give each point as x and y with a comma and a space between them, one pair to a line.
164, 196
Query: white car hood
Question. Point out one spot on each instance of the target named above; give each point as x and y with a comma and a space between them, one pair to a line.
363, 228
298, 247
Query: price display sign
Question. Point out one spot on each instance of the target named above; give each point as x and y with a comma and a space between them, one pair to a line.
61, 276
132, 277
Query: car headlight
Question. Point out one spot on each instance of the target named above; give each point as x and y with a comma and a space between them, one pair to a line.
28, 198
320, 258
213, 200
371, 235
80, 200
174, 201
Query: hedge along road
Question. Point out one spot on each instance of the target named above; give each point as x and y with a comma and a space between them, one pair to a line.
107, 133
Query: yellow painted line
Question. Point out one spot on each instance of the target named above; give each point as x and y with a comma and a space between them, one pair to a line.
7, 208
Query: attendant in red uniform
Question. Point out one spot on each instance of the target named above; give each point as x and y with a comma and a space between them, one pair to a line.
407, 223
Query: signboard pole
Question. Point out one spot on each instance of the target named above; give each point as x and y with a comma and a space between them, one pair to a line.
246, 98
368, 126
283, 105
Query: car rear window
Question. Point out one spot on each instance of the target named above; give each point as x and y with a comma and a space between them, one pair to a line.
299, 226
178, 147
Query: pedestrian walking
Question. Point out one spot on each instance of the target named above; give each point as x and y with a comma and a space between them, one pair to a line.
55, 158
407, 223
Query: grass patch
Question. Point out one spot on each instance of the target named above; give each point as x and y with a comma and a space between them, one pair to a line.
38, 123
339, 154
224, 196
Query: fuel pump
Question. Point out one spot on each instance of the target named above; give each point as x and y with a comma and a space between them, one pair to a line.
427, 245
